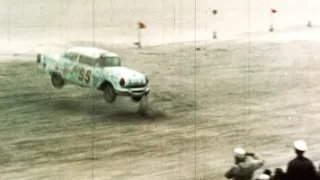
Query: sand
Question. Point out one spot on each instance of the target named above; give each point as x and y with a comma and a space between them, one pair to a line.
257, 90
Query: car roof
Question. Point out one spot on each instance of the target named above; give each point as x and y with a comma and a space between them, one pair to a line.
90, 51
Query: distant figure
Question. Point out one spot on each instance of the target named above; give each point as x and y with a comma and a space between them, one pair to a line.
263, 177
245, 165
279, 174
319, 172
301, 168
267, 172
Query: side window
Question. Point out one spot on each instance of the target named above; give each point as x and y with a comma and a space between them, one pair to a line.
71, 56
86, 60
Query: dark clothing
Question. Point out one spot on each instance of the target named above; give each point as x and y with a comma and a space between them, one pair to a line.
279, 174
279, 177
301, 168
244, 170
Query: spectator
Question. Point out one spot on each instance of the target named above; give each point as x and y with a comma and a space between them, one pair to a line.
279, 174
245, 165
301, 168
319, 172
267, 172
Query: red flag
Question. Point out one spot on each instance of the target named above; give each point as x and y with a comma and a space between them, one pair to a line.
273, 11
141, 25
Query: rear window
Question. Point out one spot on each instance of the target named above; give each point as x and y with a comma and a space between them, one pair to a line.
108, 61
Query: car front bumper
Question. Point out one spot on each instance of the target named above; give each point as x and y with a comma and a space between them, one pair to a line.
136, 92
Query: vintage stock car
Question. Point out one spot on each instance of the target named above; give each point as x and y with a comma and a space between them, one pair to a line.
96, 68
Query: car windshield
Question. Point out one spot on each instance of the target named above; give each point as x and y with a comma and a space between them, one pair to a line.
108, 61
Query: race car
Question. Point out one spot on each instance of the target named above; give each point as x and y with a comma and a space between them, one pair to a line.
92, 67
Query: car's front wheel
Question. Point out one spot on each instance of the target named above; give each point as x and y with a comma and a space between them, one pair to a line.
57, 80
109, 93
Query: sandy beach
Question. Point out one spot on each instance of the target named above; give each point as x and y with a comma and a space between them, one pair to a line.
257, 90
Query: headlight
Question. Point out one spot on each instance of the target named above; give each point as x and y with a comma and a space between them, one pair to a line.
122, 82
147, 80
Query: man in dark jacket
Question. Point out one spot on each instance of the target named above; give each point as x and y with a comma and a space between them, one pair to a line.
319, 172
301, 168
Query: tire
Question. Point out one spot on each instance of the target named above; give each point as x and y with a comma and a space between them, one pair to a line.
136, 98
57, 81
109, 93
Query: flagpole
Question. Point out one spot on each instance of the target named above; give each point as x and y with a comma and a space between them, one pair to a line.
139, 37
271, 25
214, 32
141, 26
9, 24
272, 19
174, 19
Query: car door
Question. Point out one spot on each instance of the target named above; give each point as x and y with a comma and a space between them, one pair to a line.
70, 62
83, 71
97, 74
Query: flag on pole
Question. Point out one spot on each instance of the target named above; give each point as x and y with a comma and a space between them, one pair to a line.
214, 33
273, 11
141, 25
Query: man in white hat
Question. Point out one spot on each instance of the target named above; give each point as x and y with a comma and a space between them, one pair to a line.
244, 166
301, 168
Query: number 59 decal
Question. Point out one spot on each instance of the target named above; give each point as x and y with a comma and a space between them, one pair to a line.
84, 75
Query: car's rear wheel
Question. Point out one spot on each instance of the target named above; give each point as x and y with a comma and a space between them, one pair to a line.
109, 93
136, 98
57, 80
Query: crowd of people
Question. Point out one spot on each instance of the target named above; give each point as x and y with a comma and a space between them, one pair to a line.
299, 168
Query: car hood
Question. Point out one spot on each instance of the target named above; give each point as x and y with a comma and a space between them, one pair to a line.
131, 76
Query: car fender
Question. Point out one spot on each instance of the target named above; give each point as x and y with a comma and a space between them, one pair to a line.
113, 78
51, 63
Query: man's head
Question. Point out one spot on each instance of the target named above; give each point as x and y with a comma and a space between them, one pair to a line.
300, 147
239, 154
278, 172
267, 172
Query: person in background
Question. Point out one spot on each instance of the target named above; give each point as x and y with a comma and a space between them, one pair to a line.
319, 172
301, 168
279, 174
245, 165
267, 172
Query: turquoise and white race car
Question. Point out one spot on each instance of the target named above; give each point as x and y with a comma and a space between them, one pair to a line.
96, 68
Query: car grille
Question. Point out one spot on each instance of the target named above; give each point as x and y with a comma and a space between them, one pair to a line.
136, 86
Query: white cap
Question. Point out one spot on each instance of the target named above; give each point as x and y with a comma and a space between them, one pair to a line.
239, 152
264, 177
300, 145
